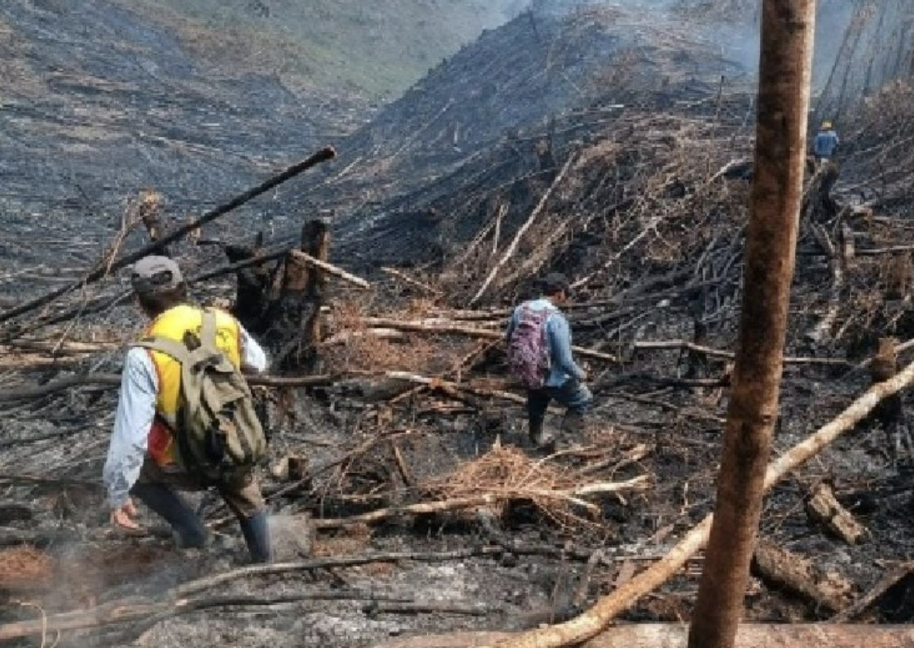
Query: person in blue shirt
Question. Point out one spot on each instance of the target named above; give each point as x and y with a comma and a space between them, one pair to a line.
566, 380
825, 143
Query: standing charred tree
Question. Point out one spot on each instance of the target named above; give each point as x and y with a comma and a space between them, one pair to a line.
282, 304
784, 86
316, 242
292, 316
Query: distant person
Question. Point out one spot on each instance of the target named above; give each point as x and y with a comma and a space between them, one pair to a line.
540, 356
168, 433
825, 143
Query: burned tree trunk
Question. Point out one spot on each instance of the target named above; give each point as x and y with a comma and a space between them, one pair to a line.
316, 236
786, 62
293, 314
697, 360
252, 285
897, 273
890, 414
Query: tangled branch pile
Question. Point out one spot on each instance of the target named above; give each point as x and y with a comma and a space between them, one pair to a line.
507, 474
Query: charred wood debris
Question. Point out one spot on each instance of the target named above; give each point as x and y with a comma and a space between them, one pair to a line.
396, 435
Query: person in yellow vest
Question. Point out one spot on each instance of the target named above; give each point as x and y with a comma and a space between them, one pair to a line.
142, 454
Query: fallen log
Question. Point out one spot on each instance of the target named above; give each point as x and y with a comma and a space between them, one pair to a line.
155, 246
823, 508
685, 345
402, 276
185, 598
67, 348
836, 265
36, 538
790, 572
209, 582
428, 607
63, 482
31, 361
895, 249
676, 636
598, 617
453, 389
451, 328
883, 585
118, 612
445, 327
331, 269
95, 305
343, 337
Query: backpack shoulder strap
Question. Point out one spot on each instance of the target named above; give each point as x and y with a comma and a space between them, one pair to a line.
208, 330
169, 347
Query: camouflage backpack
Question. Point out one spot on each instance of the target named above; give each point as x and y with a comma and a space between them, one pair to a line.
528, 348
217, 432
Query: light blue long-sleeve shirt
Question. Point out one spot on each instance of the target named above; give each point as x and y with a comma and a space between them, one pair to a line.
136, 408
558, 336
825, 144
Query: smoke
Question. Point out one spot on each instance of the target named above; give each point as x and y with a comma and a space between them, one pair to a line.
292, 536
733, 26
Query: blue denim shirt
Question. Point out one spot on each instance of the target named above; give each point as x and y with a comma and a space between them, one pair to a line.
825, 143
558, 335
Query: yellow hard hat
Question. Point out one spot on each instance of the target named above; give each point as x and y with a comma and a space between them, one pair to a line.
826, 125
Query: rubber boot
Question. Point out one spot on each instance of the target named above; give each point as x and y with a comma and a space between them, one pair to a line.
538, 435
256, 530
575, 423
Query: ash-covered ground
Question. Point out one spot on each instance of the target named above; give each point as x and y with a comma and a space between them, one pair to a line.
647, 221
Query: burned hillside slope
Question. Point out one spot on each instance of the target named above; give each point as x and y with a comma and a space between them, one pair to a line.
98, 103
409, 462
518, 77
402, 485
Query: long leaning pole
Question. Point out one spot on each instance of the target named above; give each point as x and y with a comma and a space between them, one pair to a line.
788, 28
322, 155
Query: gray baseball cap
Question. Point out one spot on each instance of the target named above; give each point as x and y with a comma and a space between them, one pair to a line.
155, 274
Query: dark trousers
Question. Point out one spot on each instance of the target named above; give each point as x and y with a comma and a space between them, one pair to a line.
157, 489
572, 394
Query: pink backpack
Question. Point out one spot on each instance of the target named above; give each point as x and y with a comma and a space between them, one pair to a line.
528, 349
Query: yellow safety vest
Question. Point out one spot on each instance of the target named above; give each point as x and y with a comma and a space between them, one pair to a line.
172, 325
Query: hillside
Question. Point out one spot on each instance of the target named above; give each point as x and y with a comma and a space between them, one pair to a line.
379, 48
98, 103
532, 75
101, 99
